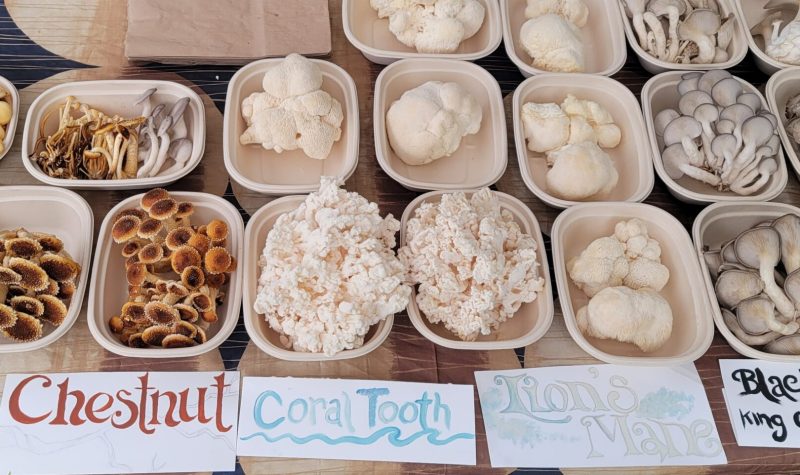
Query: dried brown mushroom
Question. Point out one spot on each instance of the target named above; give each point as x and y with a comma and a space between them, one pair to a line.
26, 329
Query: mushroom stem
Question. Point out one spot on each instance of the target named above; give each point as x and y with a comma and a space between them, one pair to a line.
674, 43
782, 303
700, 174
163, 147
744, 337
152, 154
661, 40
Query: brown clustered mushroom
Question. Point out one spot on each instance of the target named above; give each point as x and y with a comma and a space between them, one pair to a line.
37, 282
175, 273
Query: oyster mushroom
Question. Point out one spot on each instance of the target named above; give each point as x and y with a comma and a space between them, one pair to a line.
725, 126
733, 324
699, 27
710, 78
751, 100
745, 185
707, 115
788, 227
785, 345
179, 151
692, 99
685, 130
726, 92
677, 164
689, 82
672, 9
756, 132
756, 316
734, 286
713, 261
636, 9
146, 101
176, 114
759, 248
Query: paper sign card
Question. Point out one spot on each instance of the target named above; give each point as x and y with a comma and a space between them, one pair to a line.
763, 400
103, 423
357, 420
598, 416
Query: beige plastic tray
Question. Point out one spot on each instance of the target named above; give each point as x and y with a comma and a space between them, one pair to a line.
372, 37
722, 222
737, 50
660, 93
267, 339
603, 39
61, 213
692, 330
114, 97
292, 171
480, 160
8, 140
782, 86
109, 289
750, 13
531, 321
632, 157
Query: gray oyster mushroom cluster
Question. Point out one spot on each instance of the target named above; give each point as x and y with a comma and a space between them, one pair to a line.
165, 136
719, 134
682, 31
780, 29
757, 283
793, 118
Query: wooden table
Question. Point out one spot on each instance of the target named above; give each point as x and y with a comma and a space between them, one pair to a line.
48, 42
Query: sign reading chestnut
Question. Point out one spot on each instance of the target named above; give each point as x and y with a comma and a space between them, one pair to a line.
176, 422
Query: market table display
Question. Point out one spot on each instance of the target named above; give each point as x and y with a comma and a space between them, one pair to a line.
92, 35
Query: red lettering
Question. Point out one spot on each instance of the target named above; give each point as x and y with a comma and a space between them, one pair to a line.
61, 409
143, 404
13, 402
172, 399
201, 406
132, 408
91, 411
219, 383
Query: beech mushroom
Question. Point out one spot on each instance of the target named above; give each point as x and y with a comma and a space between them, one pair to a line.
759, 248
734, 286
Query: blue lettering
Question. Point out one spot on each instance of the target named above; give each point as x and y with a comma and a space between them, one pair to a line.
438, 405
372, 394
258, 409
298, 403
382, 412
414, 413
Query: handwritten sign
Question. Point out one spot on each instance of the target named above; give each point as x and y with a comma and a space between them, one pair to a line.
763, 400
357, 420
92, 423
598, 416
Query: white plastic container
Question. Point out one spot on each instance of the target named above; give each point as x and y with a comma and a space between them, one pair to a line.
531, 321
782, 86
481, 158
718, 224
692, 330
114, 96
750, 14
109, 288
267, 339
660, 93
603, 39
737, 50
67, 216
292, 171
632, 157
11, 127
372, 37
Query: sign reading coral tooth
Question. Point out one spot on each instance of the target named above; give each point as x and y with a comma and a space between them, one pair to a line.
337, 419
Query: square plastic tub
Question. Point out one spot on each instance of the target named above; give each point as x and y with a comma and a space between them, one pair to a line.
267, 339
718, 224
692, 330
114, 96
632, 157
481, 158
67, 216
782, 86
737, 50
603, 39
371, 35
750, 14
109, 288
660, 93
11, 127
292, 171
531, 321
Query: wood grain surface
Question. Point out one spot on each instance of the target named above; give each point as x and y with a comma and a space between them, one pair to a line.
90, 32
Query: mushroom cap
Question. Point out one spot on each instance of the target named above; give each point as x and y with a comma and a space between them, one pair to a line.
144, 96
710, 78
688, 84
734, 286
754, 313
724, 144
784, 345
8, 276
116, 324
736, 113
184, 328
209, 316
726, 92
50, 243
788, 226
163, 209
23, 247
8, 316
201, 337
66, 290
184, 257
150, 228
134, 312
706, 113
29, 305
187, 312
25, 329
59, 268
672, 158
680, 128
160, 313
177, 341
663, 7
151, 253
217, 260
54, 310
757, 130
138, 212
700, 22
758, 246
216, 281
136, 274
131, 248
152, 197
32, 277
178, 237
155, 334
185, 209
200, 301
663, 118
751, 100
178, 289
136, 341
691, 100
725, 126
791, 286
125, 228
193, 277
201, 242
217, 230
52, 288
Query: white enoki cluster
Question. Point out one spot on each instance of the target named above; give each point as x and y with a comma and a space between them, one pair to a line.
474, 265
329, 272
